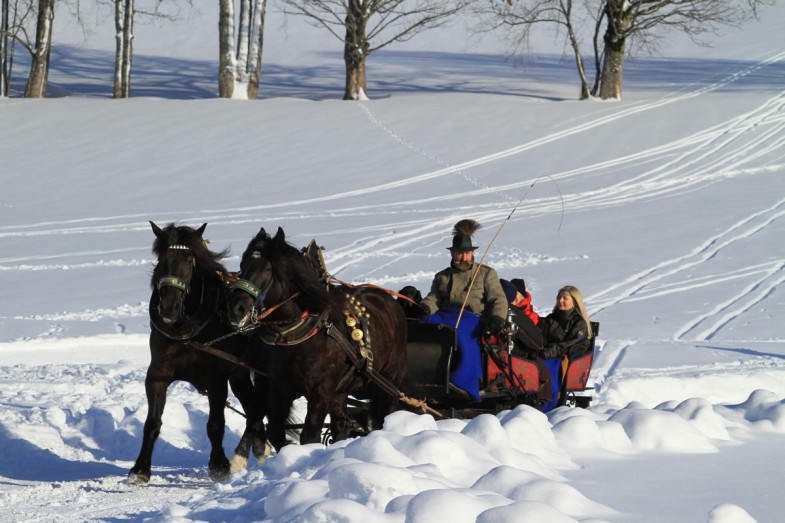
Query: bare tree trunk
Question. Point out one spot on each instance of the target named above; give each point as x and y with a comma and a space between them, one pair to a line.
243, 36
585, 94
4, 26
124, 26
612, 69
615, 40
355, 50
256, 65
226, 61
598, 56
39, 68
355, 78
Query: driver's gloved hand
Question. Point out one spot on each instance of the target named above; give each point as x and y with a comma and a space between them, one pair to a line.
495, 325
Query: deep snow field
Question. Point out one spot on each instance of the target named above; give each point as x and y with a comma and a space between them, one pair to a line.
665, 208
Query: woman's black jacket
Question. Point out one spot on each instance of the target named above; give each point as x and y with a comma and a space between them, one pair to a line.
564, 334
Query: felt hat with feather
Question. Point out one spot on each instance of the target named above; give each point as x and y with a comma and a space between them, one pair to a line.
462, 235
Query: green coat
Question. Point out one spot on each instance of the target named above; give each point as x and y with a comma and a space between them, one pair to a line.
449, 287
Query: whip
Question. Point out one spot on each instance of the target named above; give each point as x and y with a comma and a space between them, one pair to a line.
493, 239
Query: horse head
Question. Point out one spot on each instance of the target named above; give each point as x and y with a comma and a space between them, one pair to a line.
182, 257
272, 272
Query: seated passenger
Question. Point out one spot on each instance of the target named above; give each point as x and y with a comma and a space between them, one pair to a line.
566, 331
527, 344
524, 300
410, 306
528, 338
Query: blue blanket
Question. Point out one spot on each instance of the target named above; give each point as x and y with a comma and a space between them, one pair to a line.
554, 368
467, 370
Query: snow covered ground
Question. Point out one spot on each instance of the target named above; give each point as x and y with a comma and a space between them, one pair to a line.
665, 209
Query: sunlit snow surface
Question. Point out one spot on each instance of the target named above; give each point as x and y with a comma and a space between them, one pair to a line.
665, 209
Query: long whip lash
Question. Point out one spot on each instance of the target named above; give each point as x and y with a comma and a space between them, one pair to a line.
396, 137
499, 230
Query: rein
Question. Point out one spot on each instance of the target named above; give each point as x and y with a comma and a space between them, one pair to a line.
284, 336
359, 354
333, 279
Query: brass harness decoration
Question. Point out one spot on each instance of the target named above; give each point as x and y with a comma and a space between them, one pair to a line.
357, 318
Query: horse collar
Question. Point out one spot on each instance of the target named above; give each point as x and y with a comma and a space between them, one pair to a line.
293, 332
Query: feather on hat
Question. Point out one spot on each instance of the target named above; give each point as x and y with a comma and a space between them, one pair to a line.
462, 235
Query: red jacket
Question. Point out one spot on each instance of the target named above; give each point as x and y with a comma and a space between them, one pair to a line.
526, 306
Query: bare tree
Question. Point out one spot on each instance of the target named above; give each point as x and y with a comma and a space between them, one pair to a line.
125, 15
39, 68
240, 63
365, 26
646, 20
643, 23
124, 31
5, 13
517, 18
18, 18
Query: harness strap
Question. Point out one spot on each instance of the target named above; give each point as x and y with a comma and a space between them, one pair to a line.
218, 353
382, 382
228, 405
333, 279
308, 323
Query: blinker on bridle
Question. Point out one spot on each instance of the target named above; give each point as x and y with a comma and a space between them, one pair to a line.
249, 288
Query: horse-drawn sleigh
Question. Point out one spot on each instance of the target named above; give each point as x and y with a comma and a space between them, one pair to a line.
349, 350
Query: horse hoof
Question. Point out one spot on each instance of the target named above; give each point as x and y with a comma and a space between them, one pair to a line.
219, 473
138, 478
238, 464
269, 451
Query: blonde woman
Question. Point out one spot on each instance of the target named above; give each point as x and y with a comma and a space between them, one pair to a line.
566, 331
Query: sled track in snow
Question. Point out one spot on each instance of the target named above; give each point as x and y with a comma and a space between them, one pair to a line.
724, 151
769, 275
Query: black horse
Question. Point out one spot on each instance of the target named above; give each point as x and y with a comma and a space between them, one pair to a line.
326, 341
188, 294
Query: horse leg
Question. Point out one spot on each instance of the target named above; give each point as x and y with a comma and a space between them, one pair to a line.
155, 389
318, 407
278, 407
243, 391
253, 399
218, 466
262, 449
339, 417
382, 404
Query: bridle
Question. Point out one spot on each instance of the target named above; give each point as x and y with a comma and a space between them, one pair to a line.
186, 325
175, 281
257, 295
291, 331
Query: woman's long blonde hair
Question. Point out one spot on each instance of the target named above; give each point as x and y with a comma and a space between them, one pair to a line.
578, 299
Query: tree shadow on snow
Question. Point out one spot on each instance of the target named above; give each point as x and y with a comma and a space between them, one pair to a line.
77, 71
745, 351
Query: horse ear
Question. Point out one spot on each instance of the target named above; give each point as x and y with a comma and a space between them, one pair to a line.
157, 230
262, 233
201, 229
280, 237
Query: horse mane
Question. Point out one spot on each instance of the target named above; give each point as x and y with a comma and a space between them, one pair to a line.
290, 268
208, 262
